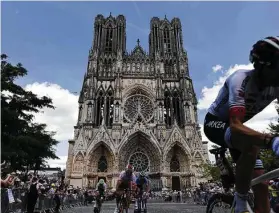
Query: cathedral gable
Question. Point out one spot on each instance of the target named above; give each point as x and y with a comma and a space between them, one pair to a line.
174, 137
101, 135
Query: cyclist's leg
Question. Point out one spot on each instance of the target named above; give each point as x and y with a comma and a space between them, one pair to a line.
249, 166
262, 203
118, 194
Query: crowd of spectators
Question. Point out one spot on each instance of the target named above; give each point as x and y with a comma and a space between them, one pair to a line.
40, 193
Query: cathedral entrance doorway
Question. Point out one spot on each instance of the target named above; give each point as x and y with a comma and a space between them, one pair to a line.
176, 183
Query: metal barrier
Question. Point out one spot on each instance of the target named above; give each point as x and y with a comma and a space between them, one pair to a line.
16, 201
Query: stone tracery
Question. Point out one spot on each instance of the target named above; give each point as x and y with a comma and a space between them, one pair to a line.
138, 105
140, 141
140, 161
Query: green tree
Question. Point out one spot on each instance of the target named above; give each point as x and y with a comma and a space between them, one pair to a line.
211, 171
24, 144
269, 159
274, 127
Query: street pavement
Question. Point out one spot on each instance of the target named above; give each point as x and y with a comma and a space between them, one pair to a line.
154, 207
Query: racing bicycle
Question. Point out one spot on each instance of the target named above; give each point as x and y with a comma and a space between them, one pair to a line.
98, 203
124, 202
141, 202
226, 200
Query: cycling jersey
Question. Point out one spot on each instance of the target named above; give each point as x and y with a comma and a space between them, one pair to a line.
141, 181
240, 95
124, 177
101, 187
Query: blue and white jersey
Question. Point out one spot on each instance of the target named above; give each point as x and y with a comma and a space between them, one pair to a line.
241, 96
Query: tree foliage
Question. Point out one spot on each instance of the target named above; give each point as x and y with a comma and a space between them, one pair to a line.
269, 159
211, 171
24, 143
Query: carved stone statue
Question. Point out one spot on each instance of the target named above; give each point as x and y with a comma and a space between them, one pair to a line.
80, 113
161, 117
89, 111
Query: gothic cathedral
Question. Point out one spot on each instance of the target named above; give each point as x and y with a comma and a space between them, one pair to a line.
137, 107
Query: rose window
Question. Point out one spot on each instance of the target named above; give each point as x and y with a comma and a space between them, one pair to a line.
140, 162
138, 105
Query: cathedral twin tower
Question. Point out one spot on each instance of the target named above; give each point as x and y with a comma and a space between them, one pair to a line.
137, 107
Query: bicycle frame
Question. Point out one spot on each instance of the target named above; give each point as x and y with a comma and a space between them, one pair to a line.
267, 176
123, 206
141, 202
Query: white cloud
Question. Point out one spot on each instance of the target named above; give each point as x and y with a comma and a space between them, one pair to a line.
209, 94
217, 68
260, 122
61, 119
58, 163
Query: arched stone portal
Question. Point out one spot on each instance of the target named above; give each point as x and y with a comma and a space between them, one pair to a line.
177, 159
101, 162
101, 159
138, 148
177, 166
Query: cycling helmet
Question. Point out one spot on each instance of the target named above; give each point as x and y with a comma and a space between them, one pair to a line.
101, 181
265, 52
129, 167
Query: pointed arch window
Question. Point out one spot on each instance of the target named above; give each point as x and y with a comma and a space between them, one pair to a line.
176, 107
80, 113
102, 164
167, 109
174, 164
167, 43
100, 108
108, 44
109, 108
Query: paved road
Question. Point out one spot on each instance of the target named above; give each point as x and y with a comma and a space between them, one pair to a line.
152, 208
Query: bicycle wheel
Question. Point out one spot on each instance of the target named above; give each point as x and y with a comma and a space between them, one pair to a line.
219, 203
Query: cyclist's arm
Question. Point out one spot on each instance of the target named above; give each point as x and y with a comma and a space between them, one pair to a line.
118, 183
239, 131
119, 180
97, 186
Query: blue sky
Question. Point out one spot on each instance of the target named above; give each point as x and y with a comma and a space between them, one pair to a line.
52, 39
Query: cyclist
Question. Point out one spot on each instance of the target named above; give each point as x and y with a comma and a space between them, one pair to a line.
101, 189
142, 182
125, 181
244, 94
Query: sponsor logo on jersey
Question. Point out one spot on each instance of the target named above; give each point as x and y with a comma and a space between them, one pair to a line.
216, 124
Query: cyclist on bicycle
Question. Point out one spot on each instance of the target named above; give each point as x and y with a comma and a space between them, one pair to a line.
125, 181
244, 94
142, 182
101, 187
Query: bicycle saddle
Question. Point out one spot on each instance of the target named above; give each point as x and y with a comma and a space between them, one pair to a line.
218, 150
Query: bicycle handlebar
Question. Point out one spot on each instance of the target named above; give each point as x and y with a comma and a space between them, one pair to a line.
267, 176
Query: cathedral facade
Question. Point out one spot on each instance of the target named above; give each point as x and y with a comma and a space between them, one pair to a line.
138, 107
